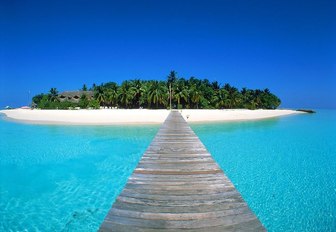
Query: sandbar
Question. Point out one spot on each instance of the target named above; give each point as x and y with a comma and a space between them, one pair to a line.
136, 116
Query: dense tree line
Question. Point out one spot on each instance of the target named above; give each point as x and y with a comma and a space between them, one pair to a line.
192, 93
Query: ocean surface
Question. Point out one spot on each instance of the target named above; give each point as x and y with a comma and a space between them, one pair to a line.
285, 168
65, 178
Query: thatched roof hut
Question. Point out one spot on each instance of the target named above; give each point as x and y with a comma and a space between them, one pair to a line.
74, 96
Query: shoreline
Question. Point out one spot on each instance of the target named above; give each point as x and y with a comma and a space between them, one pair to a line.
136, 116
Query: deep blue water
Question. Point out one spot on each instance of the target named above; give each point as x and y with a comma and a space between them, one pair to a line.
65, 178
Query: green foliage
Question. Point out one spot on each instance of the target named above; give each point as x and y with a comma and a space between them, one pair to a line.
125, 94
99, 94
157, 94
37, 98
94, 104
45, 103
172, 77
53, 95
83, 102
64, 105
192, 93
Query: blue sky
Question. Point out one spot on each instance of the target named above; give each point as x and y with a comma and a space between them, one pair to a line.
286, 46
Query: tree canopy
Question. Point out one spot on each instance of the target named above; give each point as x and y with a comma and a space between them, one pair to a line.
192, 93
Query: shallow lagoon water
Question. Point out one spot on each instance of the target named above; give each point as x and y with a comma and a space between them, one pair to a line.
285, 168
65, 178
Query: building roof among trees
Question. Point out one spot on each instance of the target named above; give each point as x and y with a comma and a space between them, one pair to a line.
72, 94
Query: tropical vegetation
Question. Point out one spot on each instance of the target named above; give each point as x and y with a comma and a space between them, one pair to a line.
176, 92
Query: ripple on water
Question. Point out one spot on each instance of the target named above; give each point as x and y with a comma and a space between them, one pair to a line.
284, 168
58, 178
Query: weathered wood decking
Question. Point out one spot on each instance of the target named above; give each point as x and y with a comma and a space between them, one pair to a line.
177, 186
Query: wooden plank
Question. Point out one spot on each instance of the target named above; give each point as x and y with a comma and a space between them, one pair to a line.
177, 186
187, 224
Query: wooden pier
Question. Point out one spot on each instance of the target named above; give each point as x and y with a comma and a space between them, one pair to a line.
177, 186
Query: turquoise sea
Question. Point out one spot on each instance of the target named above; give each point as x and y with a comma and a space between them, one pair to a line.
65, 178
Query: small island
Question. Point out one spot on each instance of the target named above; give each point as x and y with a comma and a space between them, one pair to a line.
307, 111
150, 101
174, 93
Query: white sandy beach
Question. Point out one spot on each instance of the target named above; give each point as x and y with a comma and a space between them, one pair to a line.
136, 116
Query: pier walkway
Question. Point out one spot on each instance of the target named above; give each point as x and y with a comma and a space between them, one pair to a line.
177, 186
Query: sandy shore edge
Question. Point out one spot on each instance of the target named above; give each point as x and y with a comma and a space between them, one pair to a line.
136, 116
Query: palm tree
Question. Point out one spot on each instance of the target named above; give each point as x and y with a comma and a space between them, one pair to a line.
233, 96
110, 97
138, 90
257, 98
181, 92
268, 100
221, 99
111, 93
93, 87
208, 93
195, 95
99, 95
157, 93
53, 95
215, 85
83, 101
172, 77
246, 98
125, 94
